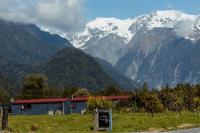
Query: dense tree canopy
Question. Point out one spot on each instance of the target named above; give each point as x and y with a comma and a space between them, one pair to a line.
34, 86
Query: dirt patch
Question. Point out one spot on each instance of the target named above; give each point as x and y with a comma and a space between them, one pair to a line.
156, 130
186, 125
170, 128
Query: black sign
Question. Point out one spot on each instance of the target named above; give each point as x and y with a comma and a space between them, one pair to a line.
104, 120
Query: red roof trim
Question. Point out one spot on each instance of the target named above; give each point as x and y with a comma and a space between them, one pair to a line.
112, 98
79, 99
75, 99
47, 100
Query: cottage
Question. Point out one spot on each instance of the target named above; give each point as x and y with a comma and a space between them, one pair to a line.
55, 105
41, 106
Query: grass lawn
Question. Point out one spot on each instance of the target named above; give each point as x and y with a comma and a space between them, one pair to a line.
122, 122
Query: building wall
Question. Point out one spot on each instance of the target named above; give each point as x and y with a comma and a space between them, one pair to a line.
77, 107
37, 109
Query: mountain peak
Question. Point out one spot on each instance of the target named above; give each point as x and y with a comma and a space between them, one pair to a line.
112, 25
185, 25
168, 18
172, 14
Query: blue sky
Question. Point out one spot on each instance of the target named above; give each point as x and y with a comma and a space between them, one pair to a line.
131, 8
72, 15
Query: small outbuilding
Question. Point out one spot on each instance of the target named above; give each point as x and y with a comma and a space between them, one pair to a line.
41, 106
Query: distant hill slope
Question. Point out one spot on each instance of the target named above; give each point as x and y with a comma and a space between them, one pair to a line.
21, 42
69, 67
46, 37
123, 81
72, 67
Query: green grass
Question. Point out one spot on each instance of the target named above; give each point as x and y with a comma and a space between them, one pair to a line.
122, 122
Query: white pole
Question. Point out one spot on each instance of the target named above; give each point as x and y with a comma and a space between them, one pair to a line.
71, 104
63, 108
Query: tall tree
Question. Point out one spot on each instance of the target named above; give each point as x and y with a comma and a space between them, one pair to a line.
34, 86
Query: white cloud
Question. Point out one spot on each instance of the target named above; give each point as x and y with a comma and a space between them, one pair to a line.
65, 15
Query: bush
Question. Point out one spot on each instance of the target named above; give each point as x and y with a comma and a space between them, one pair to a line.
98, 102
34, 127
196, 102
82, 92
152, 103
176, 103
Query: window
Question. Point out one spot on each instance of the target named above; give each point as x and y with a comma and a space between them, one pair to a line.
27, 106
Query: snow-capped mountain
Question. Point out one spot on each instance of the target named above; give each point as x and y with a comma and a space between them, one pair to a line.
135, 46
186, 26
101, 27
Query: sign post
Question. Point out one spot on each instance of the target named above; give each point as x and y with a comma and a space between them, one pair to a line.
5, 118
1, 118
103, 120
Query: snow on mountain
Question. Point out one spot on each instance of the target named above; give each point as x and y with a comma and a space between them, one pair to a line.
168, 18
101, 27
185, 25
112, 25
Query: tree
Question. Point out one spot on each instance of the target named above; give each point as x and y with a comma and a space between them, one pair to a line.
82, 92
196, 102
110, 90
176, 104
34, 86
151, 103
4, 98
68, 92
52, 92
165, 97
145, 86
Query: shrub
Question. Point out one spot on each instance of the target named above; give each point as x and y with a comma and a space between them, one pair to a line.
152, 103
34, 127
196, 102
98, 102
176, 103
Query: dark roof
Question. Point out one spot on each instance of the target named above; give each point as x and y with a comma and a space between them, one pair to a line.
47, 100
112, 98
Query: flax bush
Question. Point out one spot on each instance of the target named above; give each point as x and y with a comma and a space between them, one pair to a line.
98, 102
